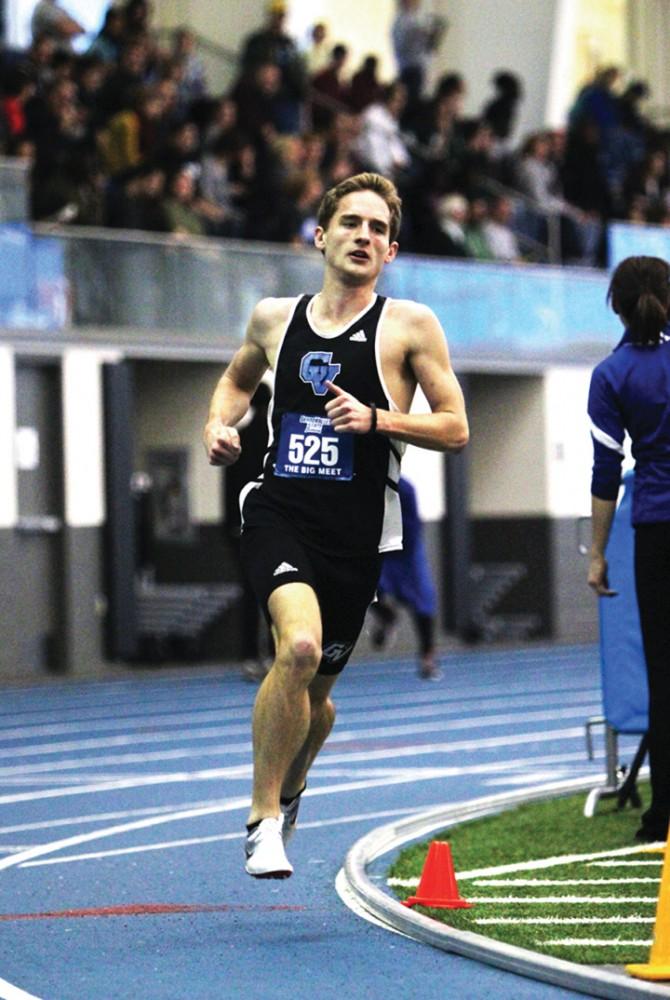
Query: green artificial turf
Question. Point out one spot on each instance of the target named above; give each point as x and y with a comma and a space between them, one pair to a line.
551, 829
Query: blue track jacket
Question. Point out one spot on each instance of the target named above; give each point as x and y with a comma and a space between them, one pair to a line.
630, 391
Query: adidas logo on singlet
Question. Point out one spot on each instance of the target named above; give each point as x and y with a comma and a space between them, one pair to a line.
285, 568
359, 337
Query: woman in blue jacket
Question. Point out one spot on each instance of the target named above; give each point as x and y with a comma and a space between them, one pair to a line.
630, 392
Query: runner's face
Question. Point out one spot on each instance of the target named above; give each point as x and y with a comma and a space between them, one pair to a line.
356, 242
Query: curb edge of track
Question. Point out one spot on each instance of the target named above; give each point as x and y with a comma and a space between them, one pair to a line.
385, 909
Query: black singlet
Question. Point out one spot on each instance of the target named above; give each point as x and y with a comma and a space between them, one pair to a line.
338, 490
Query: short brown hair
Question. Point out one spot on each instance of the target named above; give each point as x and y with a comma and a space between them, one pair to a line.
385, 188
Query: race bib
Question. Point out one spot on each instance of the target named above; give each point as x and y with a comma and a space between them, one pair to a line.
309, 448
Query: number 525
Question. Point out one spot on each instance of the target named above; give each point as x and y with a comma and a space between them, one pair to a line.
312, 449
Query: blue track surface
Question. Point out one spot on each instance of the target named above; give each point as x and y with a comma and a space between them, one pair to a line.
125, 801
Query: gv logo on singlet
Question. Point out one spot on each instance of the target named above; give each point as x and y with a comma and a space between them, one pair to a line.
316, 368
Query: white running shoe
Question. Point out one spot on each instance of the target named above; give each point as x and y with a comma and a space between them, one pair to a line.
290, 818
264, 849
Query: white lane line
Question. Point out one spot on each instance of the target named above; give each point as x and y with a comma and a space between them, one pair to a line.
327, 758
476, 722
539, 777
412, 703
49, 824
10, 992
513, 764
528, 767
141, 714
214, 838
40, 850
492, 742
599, 942
549, 921
213, 774
567, 881
134, 698
183, 723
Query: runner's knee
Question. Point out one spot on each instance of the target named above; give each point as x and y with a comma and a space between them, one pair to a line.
300, 651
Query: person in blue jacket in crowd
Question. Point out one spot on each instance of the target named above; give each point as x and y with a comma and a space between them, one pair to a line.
630, 392
406, 579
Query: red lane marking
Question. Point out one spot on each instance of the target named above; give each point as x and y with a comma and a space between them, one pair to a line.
149, 909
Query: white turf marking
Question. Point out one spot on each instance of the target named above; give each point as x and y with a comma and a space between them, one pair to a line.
191, 841
567, 881
601, 942
620, 864
591, 900
563, 859
490, 921
9, 992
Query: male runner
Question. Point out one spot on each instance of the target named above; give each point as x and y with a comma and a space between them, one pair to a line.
346, 363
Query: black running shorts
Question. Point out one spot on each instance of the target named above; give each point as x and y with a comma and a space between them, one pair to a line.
344, 586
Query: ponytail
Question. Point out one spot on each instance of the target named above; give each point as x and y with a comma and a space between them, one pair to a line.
639, 293
649, 317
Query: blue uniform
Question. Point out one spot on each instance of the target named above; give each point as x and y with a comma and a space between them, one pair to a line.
406, 575
630, 391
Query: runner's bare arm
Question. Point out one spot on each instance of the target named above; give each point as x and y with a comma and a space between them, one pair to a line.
235, 388
445, 428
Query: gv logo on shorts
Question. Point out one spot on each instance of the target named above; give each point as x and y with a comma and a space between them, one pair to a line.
336, 651
316, 368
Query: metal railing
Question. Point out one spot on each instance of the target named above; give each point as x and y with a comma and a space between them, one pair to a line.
150, 292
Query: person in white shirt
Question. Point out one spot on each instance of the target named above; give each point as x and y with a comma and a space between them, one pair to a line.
380, 145
415, 37
48, 18
498, 233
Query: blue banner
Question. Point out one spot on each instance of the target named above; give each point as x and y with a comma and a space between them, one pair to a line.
34, 291
627, 240
623, 667
511, 312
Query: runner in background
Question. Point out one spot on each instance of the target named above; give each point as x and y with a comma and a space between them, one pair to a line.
406, 580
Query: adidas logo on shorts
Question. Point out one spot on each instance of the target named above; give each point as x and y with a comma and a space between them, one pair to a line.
285, 567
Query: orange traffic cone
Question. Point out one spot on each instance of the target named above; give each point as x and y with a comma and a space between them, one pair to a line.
658, 967
437, 887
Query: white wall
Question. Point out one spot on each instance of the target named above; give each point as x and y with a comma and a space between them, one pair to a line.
425, 470
483, 37
567, 439
365, 28
488, 35
83, 437
506, 450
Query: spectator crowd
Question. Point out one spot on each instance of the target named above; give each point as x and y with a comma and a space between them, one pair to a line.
128, 134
